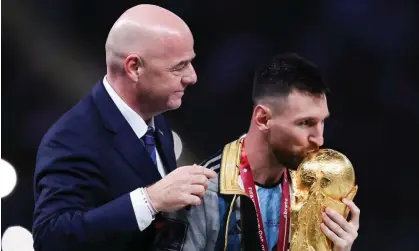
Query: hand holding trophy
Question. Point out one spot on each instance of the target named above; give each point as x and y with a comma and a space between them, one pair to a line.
324, 187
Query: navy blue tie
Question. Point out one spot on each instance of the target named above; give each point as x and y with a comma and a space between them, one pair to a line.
150, 143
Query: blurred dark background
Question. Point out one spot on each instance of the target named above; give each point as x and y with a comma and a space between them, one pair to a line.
368, 51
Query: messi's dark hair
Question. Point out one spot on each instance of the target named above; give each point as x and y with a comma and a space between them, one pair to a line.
285, 73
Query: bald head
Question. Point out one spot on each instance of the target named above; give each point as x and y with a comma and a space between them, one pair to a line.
144, 30
149, 53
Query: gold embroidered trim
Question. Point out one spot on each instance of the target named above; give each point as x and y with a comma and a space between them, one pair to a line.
229, 173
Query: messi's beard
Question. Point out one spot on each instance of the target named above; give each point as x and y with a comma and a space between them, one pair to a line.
288, 159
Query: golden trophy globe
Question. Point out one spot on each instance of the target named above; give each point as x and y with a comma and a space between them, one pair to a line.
322, 180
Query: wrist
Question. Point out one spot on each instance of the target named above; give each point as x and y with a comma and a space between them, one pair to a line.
153, 202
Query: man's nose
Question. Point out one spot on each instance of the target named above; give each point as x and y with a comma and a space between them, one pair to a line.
316, 137
317, 140
190, 76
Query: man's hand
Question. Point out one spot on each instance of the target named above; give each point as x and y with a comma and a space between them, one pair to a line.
341, 232
184, 186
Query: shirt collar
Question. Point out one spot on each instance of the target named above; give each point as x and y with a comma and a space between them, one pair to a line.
136, 122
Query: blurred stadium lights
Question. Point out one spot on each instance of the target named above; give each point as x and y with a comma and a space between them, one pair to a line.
8, 178
17, 238
184, 155
178, 145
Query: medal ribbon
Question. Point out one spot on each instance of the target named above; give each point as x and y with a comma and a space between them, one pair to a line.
284, 218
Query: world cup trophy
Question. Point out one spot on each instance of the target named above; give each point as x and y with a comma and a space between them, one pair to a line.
322, 180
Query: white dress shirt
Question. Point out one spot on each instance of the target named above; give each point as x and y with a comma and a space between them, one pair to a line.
138, 125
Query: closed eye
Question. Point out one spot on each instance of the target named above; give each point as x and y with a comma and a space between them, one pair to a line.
180, 66
307, 123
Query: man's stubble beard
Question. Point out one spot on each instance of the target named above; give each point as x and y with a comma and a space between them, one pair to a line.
288, 159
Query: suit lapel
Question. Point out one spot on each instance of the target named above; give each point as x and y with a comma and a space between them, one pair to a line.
165, 143
126, 142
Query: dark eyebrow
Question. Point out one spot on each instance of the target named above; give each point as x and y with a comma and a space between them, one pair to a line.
313, 118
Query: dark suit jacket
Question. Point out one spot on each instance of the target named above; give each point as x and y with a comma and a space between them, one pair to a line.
87, 164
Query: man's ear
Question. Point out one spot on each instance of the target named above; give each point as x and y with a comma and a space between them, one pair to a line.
261, 116
133, 66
